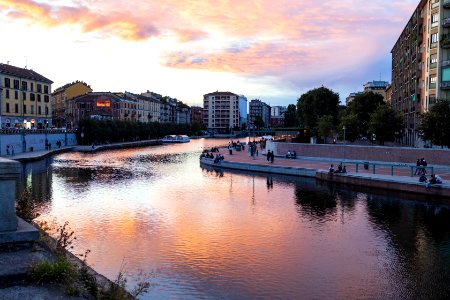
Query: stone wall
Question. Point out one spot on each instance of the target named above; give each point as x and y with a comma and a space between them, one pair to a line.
364, 153
35, 140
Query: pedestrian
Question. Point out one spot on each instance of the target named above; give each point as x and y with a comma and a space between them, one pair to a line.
7, 149
272, 157
268, 155
12, 150
257, 152
418, 167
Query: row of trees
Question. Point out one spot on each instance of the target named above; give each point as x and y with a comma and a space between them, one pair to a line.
367, 116
112, 131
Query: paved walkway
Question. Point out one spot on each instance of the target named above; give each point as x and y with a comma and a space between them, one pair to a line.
382, 169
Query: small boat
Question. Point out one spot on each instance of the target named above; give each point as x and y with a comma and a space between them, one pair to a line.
176, 139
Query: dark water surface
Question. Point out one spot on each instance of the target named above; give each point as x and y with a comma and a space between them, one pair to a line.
206, 234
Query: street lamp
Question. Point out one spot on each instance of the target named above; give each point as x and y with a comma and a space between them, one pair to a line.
344, 128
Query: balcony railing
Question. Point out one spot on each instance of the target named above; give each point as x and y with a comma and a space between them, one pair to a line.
445, 41
445, 85
446, 3
445, 63
446, 22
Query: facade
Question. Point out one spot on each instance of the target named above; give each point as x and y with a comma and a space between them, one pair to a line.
421, 65
101, 106
378, 87
197, 115
60, 102
277, 116
388, 98
221, 111
152, 108
261, 109
243, 104
25, 99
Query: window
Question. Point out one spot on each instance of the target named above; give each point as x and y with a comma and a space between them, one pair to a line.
24, 109
45, 89
7, 107
433, 59
16, 95
433, 79
434, 20
39, 88
32, 86
24, 96
434, 38
39, 98
24, 85
32, 97
46, 98
16, 108
46, 110
39, 110
32, 109
7, 94
16, 84
7, 82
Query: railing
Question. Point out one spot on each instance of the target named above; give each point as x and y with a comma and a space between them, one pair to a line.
446, 22
35, 131
445, 63
390, 168
445, 85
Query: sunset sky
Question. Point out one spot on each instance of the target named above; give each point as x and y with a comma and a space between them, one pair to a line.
273, 50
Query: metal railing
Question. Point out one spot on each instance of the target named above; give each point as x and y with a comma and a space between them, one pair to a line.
391, 168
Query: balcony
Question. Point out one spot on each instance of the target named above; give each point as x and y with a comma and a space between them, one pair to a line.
445, 41
445, 63
446, 22
446, 3
445, 85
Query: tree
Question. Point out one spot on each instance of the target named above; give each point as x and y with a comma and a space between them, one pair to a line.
258, 122
385, 123
361, 108
315, 104
325, 126
435, 124
290, 116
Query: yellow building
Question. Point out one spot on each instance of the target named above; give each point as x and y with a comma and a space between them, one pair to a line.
61, 97
25, 98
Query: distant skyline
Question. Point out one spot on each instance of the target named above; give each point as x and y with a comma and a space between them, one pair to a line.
271, 50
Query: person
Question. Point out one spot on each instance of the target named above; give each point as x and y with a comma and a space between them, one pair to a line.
423, 178
230, 149
7, 149
339, 169
435, 179
418, 167
331, 170
268, 155
438, 179
12, 150
344, 170
272, 157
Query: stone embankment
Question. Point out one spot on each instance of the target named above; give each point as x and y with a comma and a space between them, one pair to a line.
379, 176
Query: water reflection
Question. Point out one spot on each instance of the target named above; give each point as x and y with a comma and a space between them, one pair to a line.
227, 234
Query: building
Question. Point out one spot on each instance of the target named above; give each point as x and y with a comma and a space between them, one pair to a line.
378, 87
197, 115
351, 97
277, 116
243, 116
259, 109
60, 102
101, 106
421, 65
25, 98
154, 106
221, 111
388, 98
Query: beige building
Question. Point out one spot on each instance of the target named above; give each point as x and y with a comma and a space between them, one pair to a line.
60, 102
377, 87
25, 98
220, 111
421, 64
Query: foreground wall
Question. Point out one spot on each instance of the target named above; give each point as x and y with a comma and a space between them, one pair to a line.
37, 141
366, 153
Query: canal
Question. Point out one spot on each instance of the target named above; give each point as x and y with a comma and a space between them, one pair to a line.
205, 234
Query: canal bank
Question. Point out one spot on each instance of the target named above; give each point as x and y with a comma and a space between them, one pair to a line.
318, 168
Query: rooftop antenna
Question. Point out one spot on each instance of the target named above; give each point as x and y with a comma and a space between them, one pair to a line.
26, 62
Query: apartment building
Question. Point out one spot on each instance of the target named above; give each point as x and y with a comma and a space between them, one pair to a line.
100, 106
221, 111
25, 98
277, 116
259, 109
60, 102
421, 65
377, 87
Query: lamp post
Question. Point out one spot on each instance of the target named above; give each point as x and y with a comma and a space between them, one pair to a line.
344, 128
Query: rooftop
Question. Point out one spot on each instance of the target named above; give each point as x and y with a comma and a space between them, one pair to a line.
23, 73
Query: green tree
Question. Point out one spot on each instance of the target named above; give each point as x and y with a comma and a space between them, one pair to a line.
316, 103
360, 110
325, 126
435, 124
290, 116
258, 122
385, 123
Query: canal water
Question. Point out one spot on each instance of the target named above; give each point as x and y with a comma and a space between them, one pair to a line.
207, 234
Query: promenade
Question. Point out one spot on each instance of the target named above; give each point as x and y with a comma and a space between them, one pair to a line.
376, 175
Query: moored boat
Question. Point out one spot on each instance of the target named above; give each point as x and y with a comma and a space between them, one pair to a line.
175, 139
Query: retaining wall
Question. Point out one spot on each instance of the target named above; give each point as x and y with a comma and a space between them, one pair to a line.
35, 140
364, 153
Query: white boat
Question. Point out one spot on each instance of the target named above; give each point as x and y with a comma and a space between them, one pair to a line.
176, 139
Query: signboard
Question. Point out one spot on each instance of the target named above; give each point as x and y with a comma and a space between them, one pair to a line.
104, 103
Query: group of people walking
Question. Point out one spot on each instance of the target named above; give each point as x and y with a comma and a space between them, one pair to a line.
270, 156
9, 150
